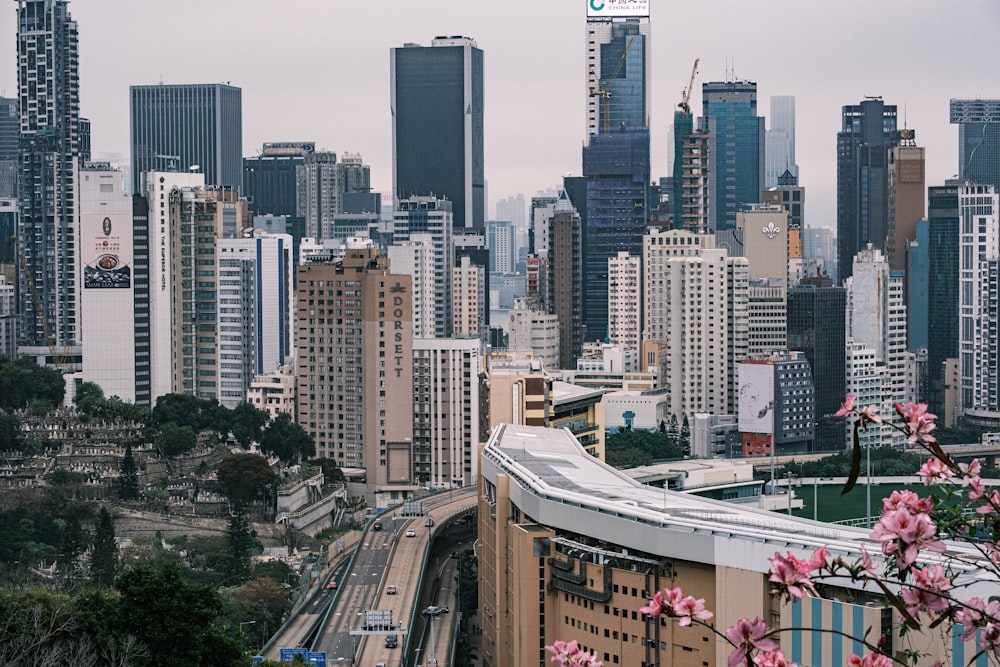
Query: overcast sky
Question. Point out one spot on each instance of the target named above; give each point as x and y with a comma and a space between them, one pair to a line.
319, 70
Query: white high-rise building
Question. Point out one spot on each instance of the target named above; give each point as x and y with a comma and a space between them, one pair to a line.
446, 411
704, 300
768, 326
658, 246
500, 239
256, 311
536, 332
417, 257
468, 289
8, 319
108, 281
431, 216
625, 301
865, 376
780, 140
979, 310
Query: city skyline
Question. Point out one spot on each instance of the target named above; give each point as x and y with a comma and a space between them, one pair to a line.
534, 100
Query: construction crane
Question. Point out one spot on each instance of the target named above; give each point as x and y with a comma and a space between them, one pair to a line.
686, 94
58, 358
602, 91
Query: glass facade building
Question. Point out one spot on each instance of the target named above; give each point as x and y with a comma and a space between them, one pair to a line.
942, 287
437, 125
175, 127
978, 140
735, 149
616, 168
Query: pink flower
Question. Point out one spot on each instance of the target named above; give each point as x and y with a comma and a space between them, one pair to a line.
904, 534
847, 408
935, 469
870, 660
970, 470
991, 504
792, 574
920, 423
673, 603
569, 654
925, 595
689, 608
869, 413
663, 603
748, 635
772, 659
906, 499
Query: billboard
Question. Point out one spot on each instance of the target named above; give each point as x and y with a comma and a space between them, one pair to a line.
617, 8
756, 398
107, 253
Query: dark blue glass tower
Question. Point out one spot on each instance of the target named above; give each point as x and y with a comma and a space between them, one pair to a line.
616, 166
978, 140
942, 287
437, 125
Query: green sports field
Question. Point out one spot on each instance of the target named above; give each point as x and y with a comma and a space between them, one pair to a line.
836, 507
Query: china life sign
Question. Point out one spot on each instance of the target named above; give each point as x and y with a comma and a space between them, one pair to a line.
617, 8
108, 248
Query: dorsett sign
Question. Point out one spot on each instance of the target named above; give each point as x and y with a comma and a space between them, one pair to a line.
397, 291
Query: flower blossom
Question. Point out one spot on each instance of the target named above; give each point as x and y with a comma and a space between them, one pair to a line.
935, 469
774, 658
848, 406
929, 583
792, 574
673, 603
870, 660
903, 534
977, 614
747, 635
919, 422
869, 413
569, 654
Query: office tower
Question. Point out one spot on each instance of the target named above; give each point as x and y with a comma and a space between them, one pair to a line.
565, 274
513, 208
616, 166
9, 130
157, 225
658, 246
780, 141
322, 183
269, 179
430, 216
468, 291
108, 281
917, 286
536, 332
357, 404
942, 289
761, 235
979, 305
184, 127
735, 149
500, 241
625, 301
791, 195
471, 244
816, 326
8, 318
8, 234
437, 125
978, 123
694, 196
767, 312
864, 374
619, 68
907, 191
820, 244
868, 131
48, 158
446, 407
704, 298
416, 257
256, 312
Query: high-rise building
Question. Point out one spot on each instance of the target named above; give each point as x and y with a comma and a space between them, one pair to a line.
436, 98
761, 236
768, 316
8, 318
868, 131
658, 246
942, 288
907, 195
269, 179
321, 185
536, 332
619, 66
196, 127
917, 286
565, 274
416, 257
979, 305
468, 298
780, 141
446, 407
500, 238
777, 404
735, 149
429, 216
8, 235
625, 301
791, 195
816, 326
357, 404
515, 209
616, 166
256, 313
9, 130
49, 156
694, 201
978, 123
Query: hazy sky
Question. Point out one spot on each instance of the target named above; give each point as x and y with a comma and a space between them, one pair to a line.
319, 70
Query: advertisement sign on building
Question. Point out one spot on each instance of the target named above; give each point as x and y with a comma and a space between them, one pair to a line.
617, 8
106, 259
756, 398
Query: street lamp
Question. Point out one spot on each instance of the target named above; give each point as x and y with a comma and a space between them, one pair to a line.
788, 489
248, 623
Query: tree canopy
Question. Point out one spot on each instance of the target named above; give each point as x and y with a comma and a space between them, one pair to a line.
628, 449
23, 382
244, 478
287, 440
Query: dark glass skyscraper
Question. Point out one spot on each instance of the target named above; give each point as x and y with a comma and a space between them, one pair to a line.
867, 133
175, 127
942, 287
48, 80
269, 178
618, 74
437, 125
735, 149
616, 166
8, 147
978, 140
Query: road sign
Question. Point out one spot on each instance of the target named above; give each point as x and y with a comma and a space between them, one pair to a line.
318, 659
258, 658
288, 654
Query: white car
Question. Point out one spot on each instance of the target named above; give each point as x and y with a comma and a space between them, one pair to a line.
411, 533
432, 610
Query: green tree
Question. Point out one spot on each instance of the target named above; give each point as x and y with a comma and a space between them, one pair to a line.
175, 440
656, 445
128, 478
104, 551
287, 440
684, 439
248, 423
629, 457
332, 473
74, 543
89, 399
243, 478
241, 543
23, 382
10, 432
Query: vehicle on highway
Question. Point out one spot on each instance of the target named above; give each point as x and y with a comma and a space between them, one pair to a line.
443, 608
432, 610
377, 526
390, 589
429, 522
391, 641
379, 664
432, 662
411, 533
332, 585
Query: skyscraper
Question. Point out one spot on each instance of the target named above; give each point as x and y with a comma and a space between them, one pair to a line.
321, 183
978, 140
8, 147
269, 178
565, 261
735, 149
868, 131
942, 287
429, 220
437, 125
618, 69
907, 197
177, 127
780, 141
49, 97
